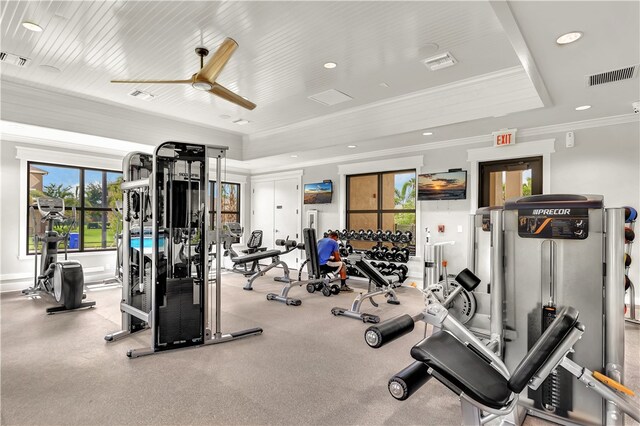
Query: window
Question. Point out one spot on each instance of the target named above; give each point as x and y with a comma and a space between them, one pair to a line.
92, 192
385, 201
505, 179
230, 203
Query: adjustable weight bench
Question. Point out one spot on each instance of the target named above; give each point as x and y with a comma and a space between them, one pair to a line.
486, 388
318, 280
288, 245
384, 285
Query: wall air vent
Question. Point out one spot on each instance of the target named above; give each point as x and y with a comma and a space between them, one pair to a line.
442, 60
11, 59
612, 76
142, 95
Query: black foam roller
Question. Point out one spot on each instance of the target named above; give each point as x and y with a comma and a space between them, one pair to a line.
405, 383
389, 330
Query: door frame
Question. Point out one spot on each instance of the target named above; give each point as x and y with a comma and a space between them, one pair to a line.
272, 177
501, 165
543, 148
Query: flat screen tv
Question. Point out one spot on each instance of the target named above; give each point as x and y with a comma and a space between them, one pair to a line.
318, 193
442, 186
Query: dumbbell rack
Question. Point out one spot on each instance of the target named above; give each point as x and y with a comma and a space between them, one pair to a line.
378, 243
628, 246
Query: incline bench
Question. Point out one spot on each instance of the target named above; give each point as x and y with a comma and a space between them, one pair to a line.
384, 285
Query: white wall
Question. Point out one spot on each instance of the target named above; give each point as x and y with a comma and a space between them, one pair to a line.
605, 160
16, 268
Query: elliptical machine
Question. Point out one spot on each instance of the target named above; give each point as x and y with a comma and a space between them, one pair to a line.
63, 280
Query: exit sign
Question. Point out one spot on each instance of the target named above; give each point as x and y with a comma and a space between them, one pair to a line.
504, 137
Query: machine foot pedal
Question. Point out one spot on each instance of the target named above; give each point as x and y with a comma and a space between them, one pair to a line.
373, 319
337, 311
393, 302
294, 302
247, 288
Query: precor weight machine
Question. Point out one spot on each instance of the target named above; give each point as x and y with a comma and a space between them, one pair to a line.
565, 250
63, 280
172, 266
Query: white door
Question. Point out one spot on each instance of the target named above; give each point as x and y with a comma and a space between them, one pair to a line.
287, 216
262, 208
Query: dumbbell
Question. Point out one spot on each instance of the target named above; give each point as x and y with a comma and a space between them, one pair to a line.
627, 260
325, 235
387, 236
378, 236
381, 265
401, 271
369, 254
361, 234
344, 252
381, 253
401, 256
349, 248
391, 254
397, 236
368, 235
405, 237
629, 235
630, 214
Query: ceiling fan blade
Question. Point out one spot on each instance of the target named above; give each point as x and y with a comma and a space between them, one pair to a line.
214, 66
228, 95
154, 81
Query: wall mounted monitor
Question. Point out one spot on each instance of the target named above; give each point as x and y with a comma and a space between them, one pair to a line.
442, 186
318, 193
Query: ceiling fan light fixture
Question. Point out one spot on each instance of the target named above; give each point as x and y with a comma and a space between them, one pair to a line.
205, 86
31, 26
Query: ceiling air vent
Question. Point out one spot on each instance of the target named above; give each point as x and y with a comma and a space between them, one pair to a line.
611, 76
142, 95
330, 97
10, 58
443, 60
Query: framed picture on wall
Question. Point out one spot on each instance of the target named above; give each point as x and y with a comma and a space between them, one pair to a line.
442, 186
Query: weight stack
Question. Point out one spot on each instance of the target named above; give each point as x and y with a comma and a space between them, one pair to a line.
180, 319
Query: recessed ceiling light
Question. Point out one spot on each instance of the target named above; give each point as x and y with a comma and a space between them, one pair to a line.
32, 27
352, 146
427, 133
241, 121
569, 37
50, 68
330, 65
225, 116
383, 84
294, 156
583, 107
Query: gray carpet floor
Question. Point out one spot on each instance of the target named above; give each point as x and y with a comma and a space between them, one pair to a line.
308, 367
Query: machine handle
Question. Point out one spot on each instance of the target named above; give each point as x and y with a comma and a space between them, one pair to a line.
613, 384
380, 334
408, 381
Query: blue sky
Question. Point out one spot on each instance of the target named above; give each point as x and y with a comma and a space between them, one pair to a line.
71, 177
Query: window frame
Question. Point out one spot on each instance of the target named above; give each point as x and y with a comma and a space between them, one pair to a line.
212, 206
379, 211
80, 210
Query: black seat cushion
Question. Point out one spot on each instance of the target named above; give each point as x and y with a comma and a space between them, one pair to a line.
462, 370
255, 256
565, 320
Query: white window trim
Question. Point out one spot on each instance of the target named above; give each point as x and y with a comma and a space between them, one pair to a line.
544, 148
36, 155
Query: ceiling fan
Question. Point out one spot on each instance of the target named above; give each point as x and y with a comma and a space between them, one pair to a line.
205, 79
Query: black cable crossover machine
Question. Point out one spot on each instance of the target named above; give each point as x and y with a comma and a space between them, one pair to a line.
166, 285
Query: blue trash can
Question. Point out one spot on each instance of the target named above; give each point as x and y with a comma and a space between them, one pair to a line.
74, 240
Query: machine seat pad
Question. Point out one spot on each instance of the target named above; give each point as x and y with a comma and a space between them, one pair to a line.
255, 256
543, 348
461, 370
